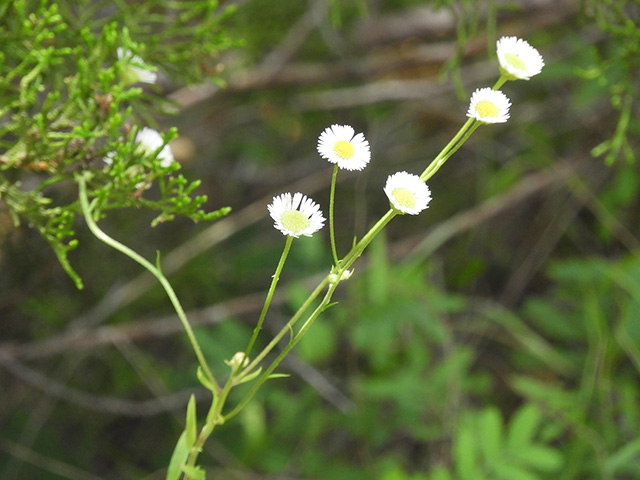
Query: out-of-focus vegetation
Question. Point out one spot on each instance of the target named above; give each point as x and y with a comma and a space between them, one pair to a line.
495, 336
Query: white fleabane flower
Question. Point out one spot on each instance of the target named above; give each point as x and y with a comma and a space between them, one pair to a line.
338, 144
489, 106
150, 140
134, 71
297, 215
407, 193
518, 60
108, 158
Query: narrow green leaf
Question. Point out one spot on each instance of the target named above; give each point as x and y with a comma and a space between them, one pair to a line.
523, 427
249, 377
490, 429
202, 378
540, 457
465, 454
178, 458
192, 423
279, 375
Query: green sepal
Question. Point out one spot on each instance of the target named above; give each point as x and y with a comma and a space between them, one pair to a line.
192, 423
178, 458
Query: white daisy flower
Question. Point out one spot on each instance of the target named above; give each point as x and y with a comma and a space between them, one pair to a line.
296, 216
136, 70
407, 193
518, 60
338, 144
150, 140
489, 106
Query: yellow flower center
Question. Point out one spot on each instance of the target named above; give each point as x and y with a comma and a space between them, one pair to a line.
404, 197
295, 221
485, 108
515, 61
343, 149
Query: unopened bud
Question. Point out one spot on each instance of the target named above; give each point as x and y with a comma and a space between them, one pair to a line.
238, 361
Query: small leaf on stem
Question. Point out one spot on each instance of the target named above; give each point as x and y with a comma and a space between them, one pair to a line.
192, 423
178, 458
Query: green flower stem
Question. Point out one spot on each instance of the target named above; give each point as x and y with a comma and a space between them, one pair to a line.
357, 250
331, 201
294, 340
501, 81
100, 235
435, 165
215, 417
287, 328
346, 262
267, 301
457, 141
449, 148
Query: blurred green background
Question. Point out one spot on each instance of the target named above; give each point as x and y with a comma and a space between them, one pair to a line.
494, 336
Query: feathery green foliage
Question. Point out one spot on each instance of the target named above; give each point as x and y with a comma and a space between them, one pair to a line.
67, 101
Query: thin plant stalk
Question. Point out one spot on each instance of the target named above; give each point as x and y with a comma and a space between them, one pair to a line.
287, 328
331, 202
272, 289
451, 146
155, 271
324, 304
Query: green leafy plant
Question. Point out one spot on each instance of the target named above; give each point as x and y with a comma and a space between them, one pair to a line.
68, 98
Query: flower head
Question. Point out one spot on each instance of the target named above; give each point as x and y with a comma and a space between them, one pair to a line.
407, 193
518, 60
135, 70
108, 158
297, 215
489, 106
150, 141
239, 360
338, 144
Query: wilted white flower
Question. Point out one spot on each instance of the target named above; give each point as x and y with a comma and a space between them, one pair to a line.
338, 144
489, 106
135, 70
518, 60
150, 140
407, 193
297, 215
